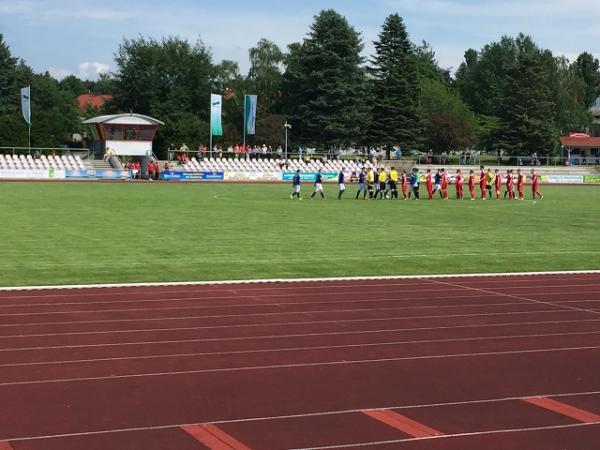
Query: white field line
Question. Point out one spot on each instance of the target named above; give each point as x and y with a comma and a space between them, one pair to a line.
291, 349
307, 280
345, 362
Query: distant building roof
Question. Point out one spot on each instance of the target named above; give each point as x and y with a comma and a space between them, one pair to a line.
580, 140
95, 101
126, 119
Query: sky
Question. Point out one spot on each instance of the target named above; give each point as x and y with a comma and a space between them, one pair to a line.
80, 37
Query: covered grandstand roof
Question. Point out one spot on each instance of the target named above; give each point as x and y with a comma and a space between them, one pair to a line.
129, 119
580, 140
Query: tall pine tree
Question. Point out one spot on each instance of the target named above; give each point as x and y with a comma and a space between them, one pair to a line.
529, 118
395, 87
324, 84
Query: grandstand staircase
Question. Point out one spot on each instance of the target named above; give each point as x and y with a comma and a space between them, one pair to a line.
97, 164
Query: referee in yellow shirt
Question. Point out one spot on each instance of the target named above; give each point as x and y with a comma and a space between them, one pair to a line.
371, 178
383, 178
394, 177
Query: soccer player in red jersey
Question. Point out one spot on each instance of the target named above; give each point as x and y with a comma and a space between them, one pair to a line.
510, 186
404, 184
472, 184
459, 184
535, 186
429, 184
520, 183
444, 184
482, 182
498, 183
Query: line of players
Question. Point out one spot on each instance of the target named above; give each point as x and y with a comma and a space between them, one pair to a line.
374, 184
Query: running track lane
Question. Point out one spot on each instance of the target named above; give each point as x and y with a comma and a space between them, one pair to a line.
458, 357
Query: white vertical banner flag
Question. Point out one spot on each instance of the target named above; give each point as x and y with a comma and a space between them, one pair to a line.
26, 103
216, 103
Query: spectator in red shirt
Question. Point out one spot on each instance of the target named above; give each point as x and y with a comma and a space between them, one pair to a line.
150, 170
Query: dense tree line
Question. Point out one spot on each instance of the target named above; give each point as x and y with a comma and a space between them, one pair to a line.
509, 96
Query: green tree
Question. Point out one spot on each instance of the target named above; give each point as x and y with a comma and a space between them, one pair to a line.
395, 88
529, 116
8, 79
589, 69
483, 80
324, 83
448, 122
264, 77
427, 64
169, 79
73, 85
570, 97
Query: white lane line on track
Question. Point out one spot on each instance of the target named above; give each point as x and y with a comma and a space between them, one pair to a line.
425, 278
276, 313
520, 297
297, 286
451, 436
302, 415
346, 362
262, 297
193, 288
164, 319
298, 349
306, 335
156, 330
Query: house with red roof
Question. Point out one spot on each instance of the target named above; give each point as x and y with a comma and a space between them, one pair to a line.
95, 101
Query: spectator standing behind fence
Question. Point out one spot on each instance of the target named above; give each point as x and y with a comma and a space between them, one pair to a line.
171, 151
429, 156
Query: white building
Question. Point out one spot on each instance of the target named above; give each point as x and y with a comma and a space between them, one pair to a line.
125, 134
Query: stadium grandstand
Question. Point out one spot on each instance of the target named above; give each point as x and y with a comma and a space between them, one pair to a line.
43, 162
274, 165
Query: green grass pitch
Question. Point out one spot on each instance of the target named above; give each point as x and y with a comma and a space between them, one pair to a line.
75, 233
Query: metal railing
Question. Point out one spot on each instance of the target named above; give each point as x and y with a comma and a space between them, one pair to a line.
83, 152
487, 160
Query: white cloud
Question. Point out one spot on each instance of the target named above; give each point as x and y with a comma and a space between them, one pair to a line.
60, 10
91, 70
85, 70
498, 9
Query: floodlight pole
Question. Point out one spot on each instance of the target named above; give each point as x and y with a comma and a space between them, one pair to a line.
287, 126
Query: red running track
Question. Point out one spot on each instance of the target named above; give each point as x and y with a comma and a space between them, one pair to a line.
439, 364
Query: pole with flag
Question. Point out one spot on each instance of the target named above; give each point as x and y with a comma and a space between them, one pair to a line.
250, 102
26, 109
216, 127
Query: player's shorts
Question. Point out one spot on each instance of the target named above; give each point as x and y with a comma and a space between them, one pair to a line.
297, 188
318, 187
382, 186
393, 185
362, 186
437, 187
342, 186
